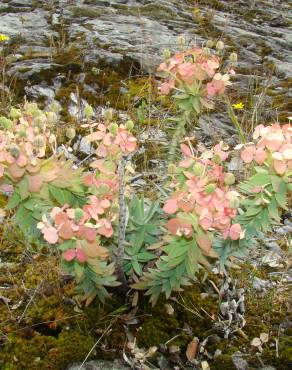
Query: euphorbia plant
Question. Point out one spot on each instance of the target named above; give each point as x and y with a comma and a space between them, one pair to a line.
193, 78
268, 160
72, 210
211, 220
202, 205
83, 213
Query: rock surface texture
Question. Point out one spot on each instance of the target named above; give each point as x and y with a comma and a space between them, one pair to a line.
56, 37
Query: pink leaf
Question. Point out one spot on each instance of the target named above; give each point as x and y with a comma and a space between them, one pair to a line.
166, 87
65, 231
69, 255
105, 203
247, 154
101, 151
90, 234
235, 231
260, 156
280, 166
22, 160
170, 206
50, 234
186, 150
35, 183
210, 89
80, 255
206, 222
106, 228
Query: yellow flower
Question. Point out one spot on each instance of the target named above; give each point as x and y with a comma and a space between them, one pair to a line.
4, 37
238, 105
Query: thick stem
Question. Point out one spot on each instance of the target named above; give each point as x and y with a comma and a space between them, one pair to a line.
122, 225
178, 134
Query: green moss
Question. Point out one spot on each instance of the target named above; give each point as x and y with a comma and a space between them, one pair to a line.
187, 306
72, 54
78, 11
44, 352
223, 362
155, 331
215, 4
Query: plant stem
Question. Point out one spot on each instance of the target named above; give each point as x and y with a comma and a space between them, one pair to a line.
122, 224
235, 122
178, 134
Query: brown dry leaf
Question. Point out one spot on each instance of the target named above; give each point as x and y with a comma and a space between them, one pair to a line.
256, 342
205, 365
135, 299
204, 243
212, 253
264, 337
169, 309
192, 349
5, 299
89, 299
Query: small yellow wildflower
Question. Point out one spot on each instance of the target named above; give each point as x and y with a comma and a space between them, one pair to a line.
238, 105
4, 37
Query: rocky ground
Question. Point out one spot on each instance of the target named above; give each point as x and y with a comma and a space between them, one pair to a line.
105, 52
56, 43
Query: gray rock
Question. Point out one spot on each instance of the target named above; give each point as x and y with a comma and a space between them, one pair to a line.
32, 27
218, 126
239, 362
261, 285
274, 247
133, 33
83, 146
100, 365
37, 91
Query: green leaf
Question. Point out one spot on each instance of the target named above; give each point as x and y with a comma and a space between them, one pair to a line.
181, 96
68, 244
173, 262
196, 104
139, 239
14, 201
252, 211
23, 188
166, 288
145, 256
62, 196
273, 210
151, 212
276, 183
261, 170
260, 179
265, 220
281, 196
27, 223
79, 270
185, 104
136, 266
177, 248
